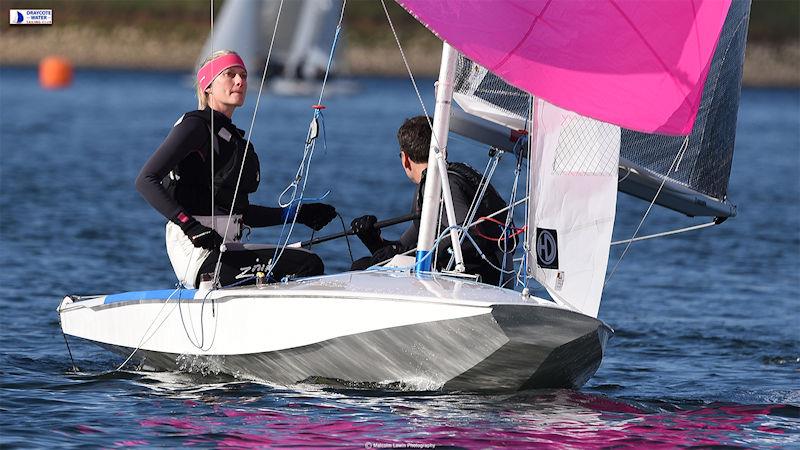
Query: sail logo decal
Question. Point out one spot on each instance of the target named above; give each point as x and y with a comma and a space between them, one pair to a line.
30, 16
546, 248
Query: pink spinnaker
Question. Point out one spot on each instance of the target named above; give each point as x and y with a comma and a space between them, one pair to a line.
639, 64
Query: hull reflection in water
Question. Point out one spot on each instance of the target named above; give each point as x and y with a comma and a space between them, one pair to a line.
374, 328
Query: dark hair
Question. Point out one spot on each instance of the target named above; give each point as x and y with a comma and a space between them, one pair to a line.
414, 137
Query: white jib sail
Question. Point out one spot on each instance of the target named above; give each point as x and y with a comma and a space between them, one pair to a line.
573, 188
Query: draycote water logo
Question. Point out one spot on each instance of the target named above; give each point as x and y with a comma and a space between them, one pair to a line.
30, 16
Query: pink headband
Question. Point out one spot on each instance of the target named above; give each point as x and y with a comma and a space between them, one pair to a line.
211, 69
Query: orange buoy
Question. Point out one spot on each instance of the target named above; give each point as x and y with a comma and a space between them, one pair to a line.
55, 72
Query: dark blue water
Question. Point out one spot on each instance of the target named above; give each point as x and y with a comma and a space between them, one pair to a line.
707, 350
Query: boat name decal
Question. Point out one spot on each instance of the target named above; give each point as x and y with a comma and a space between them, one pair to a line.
250, 271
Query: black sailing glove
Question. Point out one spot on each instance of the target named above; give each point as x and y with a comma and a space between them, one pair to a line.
370, 236
200, 235
316, 215
387, 252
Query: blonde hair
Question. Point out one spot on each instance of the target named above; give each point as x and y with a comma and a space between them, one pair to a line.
202, 95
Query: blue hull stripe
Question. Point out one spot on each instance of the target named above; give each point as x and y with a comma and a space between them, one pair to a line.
183, 294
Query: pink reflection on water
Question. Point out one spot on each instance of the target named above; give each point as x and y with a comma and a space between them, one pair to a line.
85, 429
560, 419
137, 443
261, 416
764, 429
172, 422
294, 430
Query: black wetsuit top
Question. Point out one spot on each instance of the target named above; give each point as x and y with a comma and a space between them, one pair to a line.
464, 183
184, 155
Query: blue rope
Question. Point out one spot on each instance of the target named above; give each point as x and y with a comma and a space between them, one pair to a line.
304, 169
330, 55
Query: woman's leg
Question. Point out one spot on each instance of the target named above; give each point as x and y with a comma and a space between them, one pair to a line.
186, 259
241, 266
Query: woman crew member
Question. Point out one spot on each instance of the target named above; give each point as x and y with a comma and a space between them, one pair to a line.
184, 163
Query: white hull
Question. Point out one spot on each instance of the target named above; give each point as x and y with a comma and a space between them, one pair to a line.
375, 328
311, 88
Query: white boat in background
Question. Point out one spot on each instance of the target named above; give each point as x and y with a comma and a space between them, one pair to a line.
404, 326
303, 40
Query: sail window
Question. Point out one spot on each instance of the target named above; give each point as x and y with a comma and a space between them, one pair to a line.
586, 147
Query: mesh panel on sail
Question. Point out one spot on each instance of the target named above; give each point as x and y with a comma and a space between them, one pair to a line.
478, 84
586, 147
706, 165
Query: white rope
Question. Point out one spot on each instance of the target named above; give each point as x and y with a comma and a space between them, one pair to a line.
510, 215
442, 152
411, 76
445, 235
218, 266
142, 340
405, 61
201, 342
211, 130
486, 177
480, 220
628, 171
630, 241
483, 256
191, 323
279, 250
422, 104
665, 233
499, 211
182, 285
488, 174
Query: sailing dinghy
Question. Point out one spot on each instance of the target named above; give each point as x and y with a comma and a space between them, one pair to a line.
589, 82
301, 47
